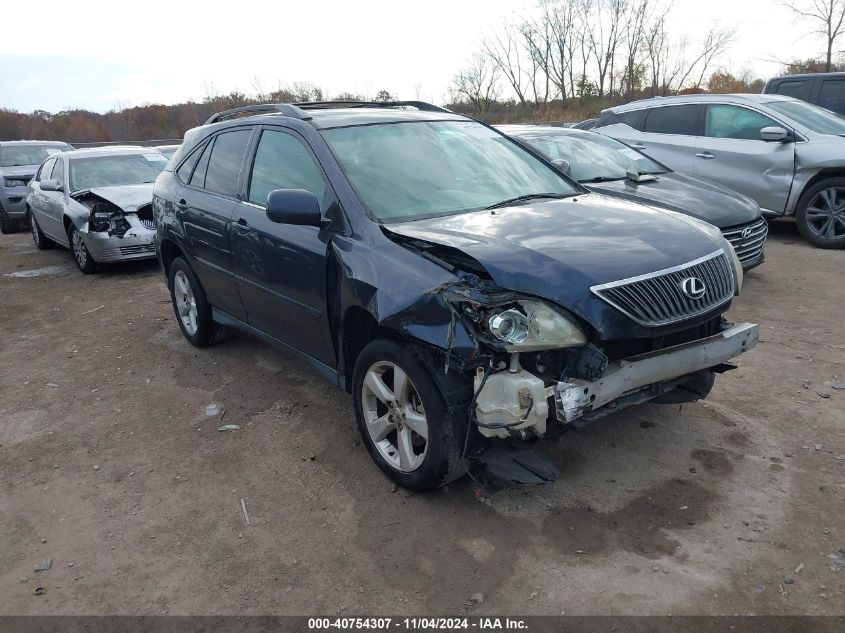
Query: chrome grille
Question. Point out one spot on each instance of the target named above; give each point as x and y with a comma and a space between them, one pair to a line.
748, 248
659, 299
137, 250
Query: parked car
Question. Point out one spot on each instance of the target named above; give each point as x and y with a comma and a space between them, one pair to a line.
19, 160
454, 282
605, 165
96, 202
786, 154
586, 124
826, 90
167, 150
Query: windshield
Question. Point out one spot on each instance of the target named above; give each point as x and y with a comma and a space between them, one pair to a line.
413, 170
19, 155
111, 171
594, 157
812, 117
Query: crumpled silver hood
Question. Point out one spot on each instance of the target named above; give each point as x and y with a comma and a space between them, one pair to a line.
127, 197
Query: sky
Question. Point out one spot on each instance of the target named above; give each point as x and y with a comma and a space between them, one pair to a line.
102, 56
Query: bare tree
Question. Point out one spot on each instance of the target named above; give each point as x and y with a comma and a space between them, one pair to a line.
635, 21
714, 45
478, 83
503, 49
829, 15
602, 23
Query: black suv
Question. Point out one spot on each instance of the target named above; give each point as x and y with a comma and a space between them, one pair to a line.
461, 288
822, 89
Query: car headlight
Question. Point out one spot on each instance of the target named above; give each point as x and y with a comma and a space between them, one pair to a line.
534, 325
737, 265
15, 182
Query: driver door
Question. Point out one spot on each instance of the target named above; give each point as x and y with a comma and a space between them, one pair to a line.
731, 153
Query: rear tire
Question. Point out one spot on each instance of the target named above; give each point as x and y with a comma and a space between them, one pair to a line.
7, 224
80, 252
392, 433
820, 214
192, 310
41, 241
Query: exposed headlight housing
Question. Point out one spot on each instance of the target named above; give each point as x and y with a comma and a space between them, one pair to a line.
737, 265
15, 182
534, 325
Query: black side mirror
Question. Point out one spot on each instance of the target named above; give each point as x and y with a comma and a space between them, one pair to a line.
294, 206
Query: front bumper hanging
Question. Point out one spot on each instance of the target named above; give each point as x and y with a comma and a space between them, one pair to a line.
575, 398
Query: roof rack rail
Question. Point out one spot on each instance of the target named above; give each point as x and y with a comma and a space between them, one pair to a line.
419, 105
286, 109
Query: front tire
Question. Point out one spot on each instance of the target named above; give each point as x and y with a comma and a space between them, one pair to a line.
193, 312
403, 417
7, 224
820, 214
80, 252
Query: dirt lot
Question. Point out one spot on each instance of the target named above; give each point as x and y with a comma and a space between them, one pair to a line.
110, 467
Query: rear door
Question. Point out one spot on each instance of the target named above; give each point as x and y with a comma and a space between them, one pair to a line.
731, 153
281, 268
204, 207
668, 135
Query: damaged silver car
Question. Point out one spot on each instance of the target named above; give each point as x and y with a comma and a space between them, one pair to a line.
96, 202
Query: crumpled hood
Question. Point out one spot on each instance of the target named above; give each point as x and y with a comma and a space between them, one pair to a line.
127, 197
19, 170
558, 249
689, 195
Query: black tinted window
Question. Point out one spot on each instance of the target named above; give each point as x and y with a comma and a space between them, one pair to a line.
198, 177
798, 88
186, 168
832, 95
282, 162
679, 119
224, 166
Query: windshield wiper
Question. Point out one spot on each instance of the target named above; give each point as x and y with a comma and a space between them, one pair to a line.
603, 179
526, 197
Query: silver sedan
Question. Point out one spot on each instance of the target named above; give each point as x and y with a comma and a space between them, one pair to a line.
97, 202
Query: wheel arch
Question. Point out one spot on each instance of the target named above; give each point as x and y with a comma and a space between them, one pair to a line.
168, 250
822, 174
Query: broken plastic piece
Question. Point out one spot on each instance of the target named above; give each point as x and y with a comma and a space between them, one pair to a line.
229, 427
526, 466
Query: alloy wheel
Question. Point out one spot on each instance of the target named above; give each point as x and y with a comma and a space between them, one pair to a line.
79, 250
186, 303
34, 228
394, 416
825, 215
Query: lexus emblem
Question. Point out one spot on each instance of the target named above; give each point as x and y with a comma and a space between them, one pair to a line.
746, 232
693, 287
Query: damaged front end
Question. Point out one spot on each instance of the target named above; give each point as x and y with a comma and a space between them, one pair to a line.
535, 363
113, 232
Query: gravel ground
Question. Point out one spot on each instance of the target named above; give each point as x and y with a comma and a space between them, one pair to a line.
110, 468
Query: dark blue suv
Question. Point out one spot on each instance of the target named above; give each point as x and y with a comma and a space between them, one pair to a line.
460, 286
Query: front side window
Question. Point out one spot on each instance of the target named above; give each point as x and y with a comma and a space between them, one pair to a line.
20, 155
58, 172
46, 170
115, 170
282, 162
677, 119
594, 157
812, 117
412, 170
224, 164
729, 121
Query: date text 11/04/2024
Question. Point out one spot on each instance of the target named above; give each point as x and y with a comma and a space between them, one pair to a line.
412, 624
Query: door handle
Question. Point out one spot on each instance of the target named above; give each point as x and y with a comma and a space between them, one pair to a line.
242, 226
705, 155
182, 205
637, 146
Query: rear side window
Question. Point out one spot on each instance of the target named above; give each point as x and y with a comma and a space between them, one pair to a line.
678, 119
632, 119
798, 88
186, 169
728, 121
224, 166
282, 162
832, 95
198, 177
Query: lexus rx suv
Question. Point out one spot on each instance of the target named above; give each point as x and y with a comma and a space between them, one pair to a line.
459, 286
